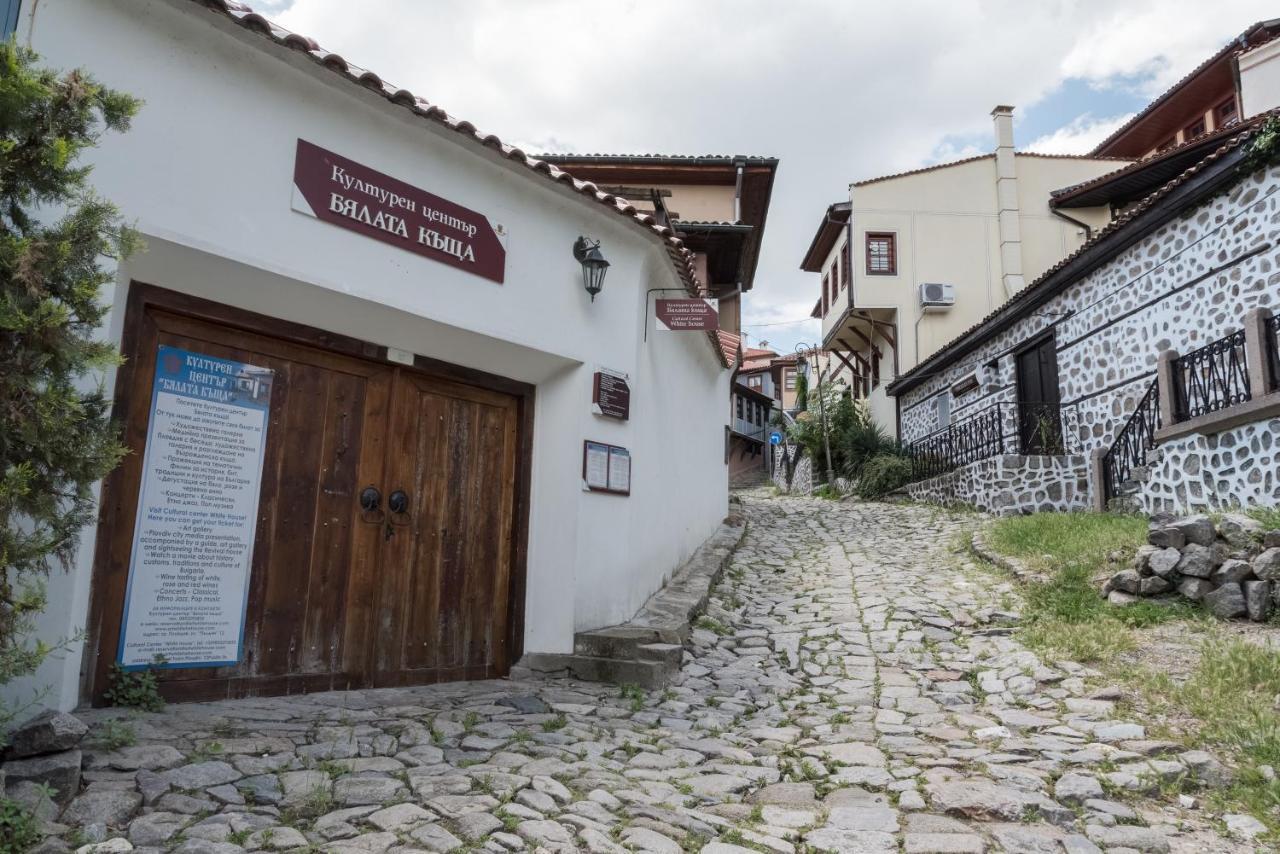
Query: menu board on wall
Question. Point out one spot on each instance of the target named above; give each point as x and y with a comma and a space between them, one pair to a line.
197, 512
606, 468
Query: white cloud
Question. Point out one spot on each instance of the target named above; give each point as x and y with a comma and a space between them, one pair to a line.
1079, 136
836, 90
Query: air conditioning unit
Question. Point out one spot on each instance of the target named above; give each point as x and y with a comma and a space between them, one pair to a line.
935, 296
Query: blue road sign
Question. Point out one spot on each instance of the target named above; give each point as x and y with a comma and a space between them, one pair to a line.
775, 438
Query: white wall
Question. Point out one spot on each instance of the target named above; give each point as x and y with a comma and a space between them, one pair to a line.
1260, 79
206, 174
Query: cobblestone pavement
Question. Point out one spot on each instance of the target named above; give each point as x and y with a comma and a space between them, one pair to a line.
854, 689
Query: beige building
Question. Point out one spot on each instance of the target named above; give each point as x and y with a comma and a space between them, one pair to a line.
914, 259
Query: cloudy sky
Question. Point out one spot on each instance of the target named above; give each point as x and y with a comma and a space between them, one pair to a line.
837, 90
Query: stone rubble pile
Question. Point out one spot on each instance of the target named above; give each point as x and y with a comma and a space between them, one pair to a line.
43, 762
1232, 568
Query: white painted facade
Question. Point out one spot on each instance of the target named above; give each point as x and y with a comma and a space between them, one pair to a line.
206, 175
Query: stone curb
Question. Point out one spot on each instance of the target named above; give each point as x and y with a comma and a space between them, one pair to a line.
672, 610
978, 545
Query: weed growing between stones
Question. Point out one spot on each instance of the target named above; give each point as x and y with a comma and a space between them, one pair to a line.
112, 735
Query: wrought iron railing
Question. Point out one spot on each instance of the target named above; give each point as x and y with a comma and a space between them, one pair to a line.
1001, 428
1211, 378
1136, 439
1272, 328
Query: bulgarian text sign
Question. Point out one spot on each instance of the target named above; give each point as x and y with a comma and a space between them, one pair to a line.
606, 468
197, 512
334, 189
688, 315
611, 394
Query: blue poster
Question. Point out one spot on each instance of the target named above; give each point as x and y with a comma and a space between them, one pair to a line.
197, 512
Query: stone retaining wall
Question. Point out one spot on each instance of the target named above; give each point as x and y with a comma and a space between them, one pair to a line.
1011, 484
1234, 468
801, 481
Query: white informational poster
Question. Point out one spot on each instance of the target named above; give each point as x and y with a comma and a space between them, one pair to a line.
197, 512
619, 470
596, 465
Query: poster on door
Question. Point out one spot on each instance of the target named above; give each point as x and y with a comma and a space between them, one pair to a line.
197, 512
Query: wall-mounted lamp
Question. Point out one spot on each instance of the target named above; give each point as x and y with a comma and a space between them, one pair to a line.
593, 265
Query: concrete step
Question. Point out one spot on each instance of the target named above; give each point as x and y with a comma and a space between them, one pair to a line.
617, 642
650, 675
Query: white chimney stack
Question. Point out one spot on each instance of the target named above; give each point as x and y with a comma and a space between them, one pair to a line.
1007, 202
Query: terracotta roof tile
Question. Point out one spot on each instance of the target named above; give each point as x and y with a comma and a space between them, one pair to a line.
681, 257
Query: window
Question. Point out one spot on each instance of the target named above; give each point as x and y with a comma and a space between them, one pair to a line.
789, 379
1225, 113
875, 368
756, 382
835, 277
844, 265
825, 301
943, 410
738, 400
9, 17
882, 255
1194, 129
1167, 144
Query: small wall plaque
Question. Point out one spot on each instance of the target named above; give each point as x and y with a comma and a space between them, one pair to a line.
606, 468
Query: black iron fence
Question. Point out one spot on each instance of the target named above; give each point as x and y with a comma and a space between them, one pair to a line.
1273, 349
1134, 441
1024, 427
1211, 378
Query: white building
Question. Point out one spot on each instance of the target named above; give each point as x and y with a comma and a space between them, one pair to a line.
448, 356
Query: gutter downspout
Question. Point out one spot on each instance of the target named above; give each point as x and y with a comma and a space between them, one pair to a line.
1088, 232
741, 166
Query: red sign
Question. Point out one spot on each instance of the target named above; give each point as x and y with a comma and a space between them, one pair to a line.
611, 395
340, 191
688, 315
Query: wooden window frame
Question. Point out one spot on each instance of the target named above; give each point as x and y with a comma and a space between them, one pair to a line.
892, 238
826, 303
1218, 121
846, 261
1194, 129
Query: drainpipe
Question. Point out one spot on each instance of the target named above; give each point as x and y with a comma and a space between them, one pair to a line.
741, 166
1007, 203
1088, 232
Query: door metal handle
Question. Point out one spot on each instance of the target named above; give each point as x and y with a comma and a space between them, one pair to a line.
371, 504
398, 502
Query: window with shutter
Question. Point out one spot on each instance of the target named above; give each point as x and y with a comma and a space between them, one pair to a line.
882, 255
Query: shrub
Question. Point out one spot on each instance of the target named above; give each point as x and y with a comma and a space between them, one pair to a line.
56, 439
883, 474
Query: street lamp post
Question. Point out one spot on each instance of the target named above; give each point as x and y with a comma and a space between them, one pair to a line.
812, 351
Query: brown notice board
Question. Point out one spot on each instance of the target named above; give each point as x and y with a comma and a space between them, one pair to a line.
606, 468
611, 395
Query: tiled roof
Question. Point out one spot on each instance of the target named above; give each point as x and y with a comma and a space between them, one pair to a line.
730, 346
717, 159
681, 257
1025, 299
964, 160
1134, 166
1232, 46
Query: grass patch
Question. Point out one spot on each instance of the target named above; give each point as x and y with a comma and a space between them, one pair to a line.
1066, 615
1268, 516
1232, 694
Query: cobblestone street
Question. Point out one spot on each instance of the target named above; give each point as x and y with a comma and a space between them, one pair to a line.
854, 688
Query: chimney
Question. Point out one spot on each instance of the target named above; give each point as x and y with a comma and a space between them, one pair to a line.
1007, 202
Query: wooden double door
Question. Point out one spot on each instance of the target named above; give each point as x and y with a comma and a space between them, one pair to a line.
388, 546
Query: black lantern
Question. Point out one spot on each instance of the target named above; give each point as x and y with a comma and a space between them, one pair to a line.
593, 265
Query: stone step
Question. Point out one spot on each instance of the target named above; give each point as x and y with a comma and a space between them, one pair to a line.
617, 642
650, 675
670, 654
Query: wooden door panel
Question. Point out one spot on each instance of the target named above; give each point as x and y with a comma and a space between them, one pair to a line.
446, 574
307, 549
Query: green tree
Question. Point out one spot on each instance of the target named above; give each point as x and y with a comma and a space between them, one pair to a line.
802, 392
56, 438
